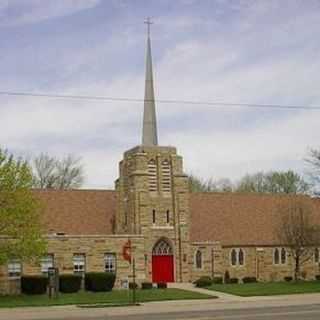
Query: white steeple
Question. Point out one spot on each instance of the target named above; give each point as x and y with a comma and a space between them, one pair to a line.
149, 132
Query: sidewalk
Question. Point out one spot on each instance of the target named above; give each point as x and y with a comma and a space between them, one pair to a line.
190, 287
225, 302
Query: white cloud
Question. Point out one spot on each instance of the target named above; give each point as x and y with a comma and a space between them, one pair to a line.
19, 12
260, 58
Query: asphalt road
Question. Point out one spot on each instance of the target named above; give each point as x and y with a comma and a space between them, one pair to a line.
310, 312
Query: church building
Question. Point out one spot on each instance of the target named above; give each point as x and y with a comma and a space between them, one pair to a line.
153, 220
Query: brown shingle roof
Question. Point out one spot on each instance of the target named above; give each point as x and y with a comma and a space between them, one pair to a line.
232, 218
75, 212
238, 219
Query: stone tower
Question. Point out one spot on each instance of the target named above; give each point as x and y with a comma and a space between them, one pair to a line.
153, 198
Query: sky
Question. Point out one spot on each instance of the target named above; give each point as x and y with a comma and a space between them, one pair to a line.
257, 52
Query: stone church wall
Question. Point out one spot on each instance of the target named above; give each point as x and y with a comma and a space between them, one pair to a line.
94, 247
212, 260
259, 263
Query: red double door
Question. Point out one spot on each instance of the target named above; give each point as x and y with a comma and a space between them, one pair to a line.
162, 268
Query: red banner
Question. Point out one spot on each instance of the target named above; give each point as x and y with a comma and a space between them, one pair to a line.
126, 251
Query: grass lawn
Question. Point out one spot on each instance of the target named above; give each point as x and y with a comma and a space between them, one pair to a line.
267, 289
116, 297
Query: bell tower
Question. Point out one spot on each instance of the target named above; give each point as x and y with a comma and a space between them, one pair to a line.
153, 194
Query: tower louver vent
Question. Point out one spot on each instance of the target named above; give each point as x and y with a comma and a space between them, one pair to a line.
152, 171
166, 176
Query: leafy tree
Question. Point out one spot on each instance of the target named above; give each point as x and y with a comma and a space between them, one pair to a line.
52, 173
273, 182
297, 231
20, 229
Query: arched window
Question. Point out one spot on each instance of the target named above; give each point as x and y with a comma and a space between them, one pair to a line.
166, 176
276, 256
153, 176
162, 248
316, 255
168, 216
241, 257
283, 256
233, 257
198, 258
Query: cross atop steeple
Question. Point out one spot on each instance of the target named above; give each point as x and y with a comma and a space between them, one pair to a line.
148, 22
149, 132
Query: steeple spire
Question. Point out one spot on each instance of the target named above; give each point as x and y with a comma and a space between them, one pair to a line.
149, 132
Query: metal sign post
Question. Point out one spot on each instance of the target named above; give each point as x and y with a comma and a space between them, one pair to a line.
134, 281
53, 285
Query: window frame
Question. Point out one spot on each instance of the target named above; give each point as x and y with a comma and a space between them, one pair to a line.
276, 259
242, 263
106, 260
280, 251
14, 268
234, 257
196, 256
78, 263
47, 262
285, 256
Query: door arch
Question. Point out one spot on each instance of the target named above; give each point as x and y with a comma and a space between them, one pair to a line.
162, 262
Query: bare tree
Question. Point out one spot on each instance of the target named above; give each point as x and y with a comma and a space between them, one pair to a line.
52, 173
197, 184
297, 231
313, 160
69, 172
223, 185
44, 175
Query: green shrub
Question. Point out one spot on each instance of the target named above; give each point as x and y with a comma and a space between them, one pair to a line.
217, 280
69, 283
34, 284
288, 278
146, 285
234, 280
318, 277
162, 285
99, 281
249, 279
133, 285
227, 277
203, 282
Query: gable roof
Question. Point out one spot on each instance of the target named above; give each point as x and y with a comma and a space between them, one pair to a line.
77, 212
237, 219
234, 219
